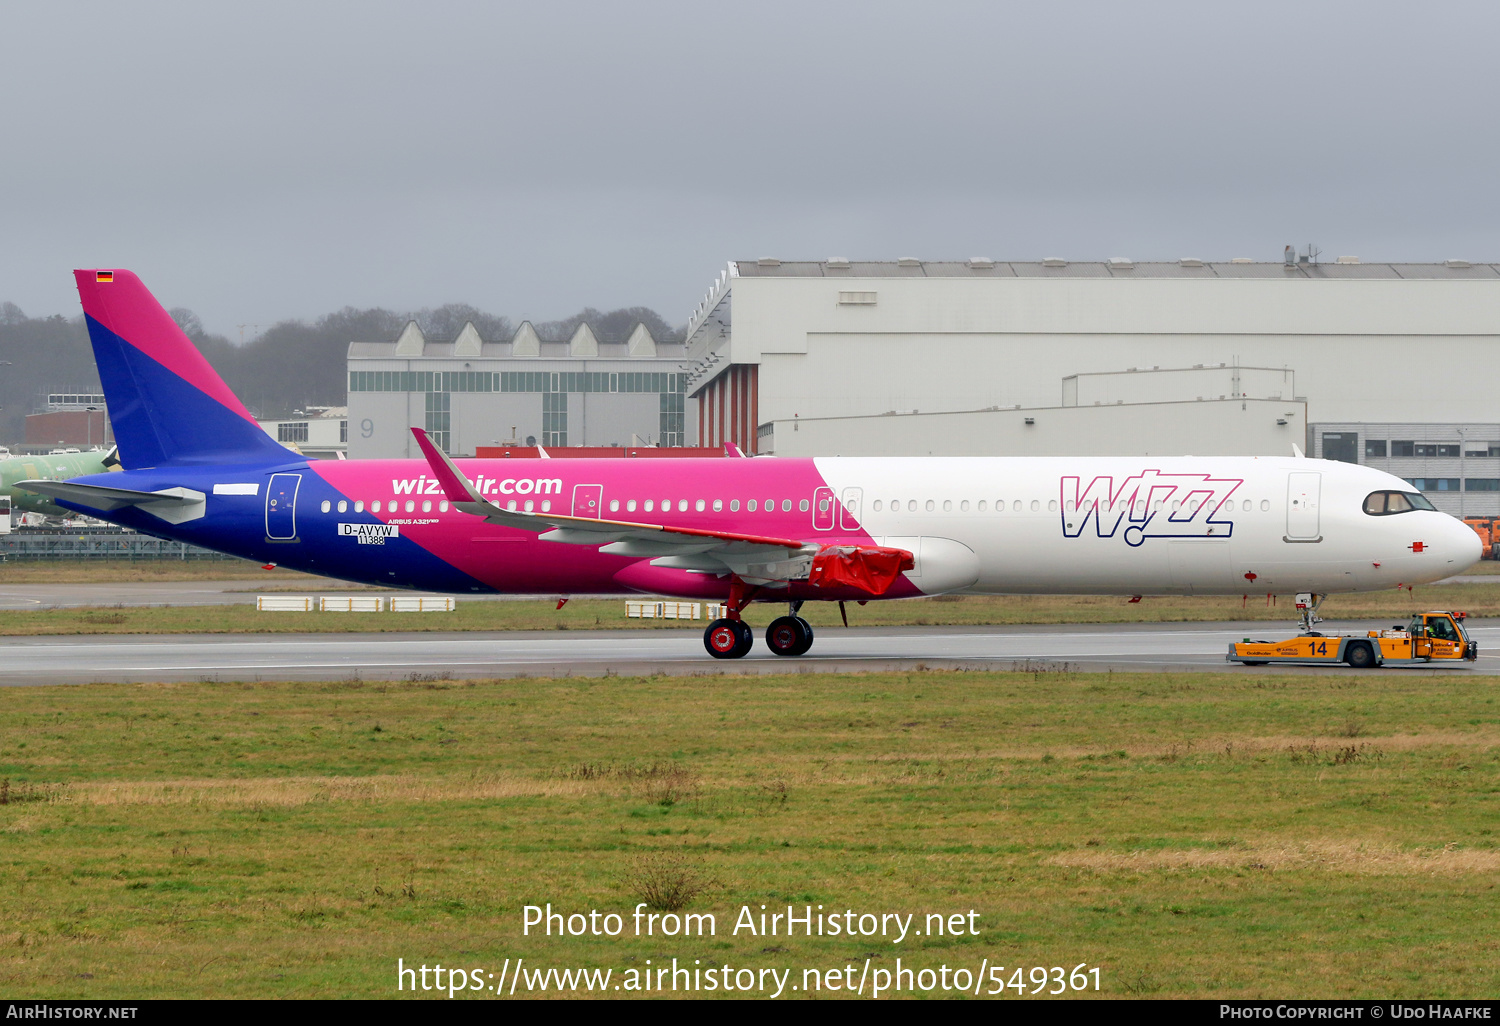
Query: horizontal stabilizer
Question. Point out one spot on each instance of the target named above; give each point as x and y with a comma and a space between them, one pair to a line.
173, 505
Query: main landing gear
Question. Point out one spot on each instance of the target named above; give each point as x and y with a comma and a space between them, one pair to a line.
731, 637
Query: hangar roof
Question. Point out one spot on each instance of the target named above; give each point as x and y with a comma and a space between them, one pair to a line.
1058, 268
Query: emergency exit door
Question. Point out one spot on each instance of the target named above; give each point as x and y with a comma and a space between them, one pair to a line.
1302, 495
588, 500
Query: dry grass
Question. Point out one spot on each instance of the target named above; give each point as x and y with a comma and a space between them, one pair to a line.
1322, 856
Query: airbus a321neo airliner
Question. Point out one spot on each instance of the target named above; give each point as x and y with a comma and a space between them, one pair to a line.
197, 468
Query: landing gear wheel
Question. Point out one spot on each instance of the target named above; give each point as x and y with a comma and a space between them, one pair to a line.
728, 639
1359, 656
789, 636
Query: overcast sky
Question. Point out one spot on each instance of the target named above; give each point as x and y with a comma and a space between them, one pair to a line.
262, 161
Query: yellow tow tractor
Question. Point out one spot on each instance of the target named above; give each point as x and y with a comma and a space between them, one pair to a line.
1434, 636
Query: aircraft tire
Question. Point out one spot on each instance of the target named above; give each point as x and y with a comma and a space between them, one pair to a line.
789, 636
1359, 656
728, 639
808, 643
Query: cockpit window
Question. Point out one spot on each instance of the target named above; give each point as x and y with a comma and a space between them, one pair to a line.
1380, 504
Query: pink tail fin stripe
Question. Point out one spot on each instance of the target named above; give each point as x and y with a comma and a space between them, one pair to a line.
120, 302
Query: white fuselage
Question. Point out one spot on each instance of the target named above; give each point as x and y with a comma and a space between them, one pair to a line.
1190, 525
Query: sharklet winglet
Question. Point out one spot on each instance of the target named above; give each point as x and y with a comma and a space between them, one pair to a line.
455, 486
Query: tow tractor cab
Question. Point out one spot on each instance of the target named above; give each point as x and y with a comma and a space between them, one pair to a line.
1431, 636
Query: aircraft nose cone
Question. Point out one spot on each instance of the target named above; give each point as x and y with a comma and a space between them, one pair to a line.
1466, 546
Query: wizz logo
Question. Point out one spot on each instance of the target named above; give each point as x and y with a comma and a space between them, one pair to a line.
1150, 505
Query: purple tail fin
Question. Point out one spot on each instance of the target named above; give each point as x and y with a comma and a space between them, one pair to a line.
166, 404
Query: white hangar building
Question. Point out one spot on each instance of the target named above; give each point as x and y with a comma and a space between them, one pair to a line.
996, 357
468, 392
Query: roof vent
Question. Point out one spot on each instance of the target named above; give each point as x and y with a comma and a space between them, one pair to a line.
1121, 264
768, 262
839, 262
1241, 260
1190, 262
981, 263
1457, 264
1054, 262
909, 262
1348, 260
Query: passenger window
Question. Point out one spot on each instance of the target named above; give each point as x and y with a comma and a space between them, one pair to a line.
343, 506
630, 505
718, 505
804, 506
1016, 506
1035, 505
1265, 505
327, 505
750, 506
876, 505
770, 505
649, 505
963, 507
411, 505
359, 505
911, 505
698, 506
1052, 506
947, 505
511, 505
443, 506
614, 505
734, 505
375, 506
530, 505
786, 505
427, 505
930, 506
682, 505
823, 506
546, 505
981, 506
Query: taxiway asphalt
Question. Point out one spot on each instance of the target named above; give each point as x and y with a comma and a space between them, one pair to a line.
458, 655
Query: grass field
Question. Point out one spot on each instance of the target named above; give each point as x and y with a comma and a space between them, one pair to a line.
1192, 835
594, 614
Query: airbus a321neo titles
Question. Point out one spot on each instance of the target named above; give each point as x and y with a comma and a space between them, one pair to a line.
197, 468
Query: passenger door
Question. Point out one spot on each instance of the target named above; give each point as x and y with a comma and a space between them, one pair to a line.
1302, 495
281, 507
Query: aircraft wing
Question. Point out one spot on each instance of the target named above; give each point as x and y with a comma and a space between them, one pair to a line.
753, 557
106, 499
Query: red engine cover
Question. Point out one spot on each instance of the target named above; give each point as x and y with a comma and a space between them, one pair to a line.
870, 568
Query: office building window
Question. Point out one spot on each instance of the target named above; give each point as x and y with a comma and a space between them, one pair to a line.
1482, 484
1434, 484
673, 419
554, 418
439, 420
1374, 447
292, 432
1341, 446
1403, 449
1432, 449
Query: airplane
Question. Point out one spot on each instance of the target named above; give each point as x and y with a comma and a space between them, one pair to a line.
197, 468
54, 467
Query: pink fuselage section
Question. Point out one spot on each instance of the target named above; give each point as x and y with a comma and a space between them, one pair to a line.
784, 498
